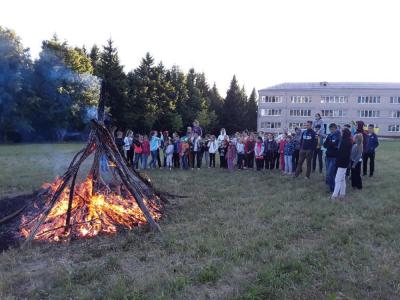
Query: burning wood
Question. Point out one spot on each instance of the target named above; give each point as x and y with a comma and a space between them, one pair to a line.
93, 206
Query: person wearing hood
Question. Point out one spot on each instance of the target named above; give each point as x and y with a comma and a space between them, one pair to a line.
221, 137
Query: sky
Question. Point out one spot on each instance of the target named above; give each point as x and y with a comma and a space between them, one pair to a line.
262, 42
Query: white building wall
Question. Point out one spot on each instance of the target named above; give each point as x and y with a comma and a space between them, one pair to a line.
352, 108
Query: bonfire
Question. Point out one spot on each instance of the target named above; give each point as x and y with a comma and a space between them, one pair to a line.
96, 205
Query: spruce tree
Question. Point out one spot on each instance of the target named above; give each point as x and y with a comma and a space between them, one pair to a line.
115, 83
251, 111
233, 109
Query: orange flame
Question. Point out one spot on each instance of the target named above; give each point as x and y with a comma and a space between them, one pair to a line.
91, 214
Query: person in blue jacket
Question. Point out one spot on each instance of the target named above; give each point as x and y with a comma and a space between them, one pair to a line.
308, 143
331, 144
369, 152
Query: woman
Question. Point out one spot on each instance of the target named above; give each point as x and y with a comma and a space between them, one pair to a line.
128, 147
197, 129
342, 162
221, 136
356, 159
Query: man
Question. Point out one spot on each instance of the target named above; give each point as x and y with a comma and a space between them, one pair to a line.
332, 145
369, 152
296, 141
308, 144
318, 151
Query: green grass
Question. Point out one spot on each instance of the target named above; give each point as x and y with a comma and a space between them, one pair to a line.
240, 235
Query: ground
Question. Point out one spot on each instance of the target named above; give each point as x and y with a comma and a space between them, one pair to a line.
239, 235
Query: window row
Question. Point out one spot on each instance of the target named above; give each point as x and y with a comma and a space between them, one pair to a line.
271, 99
334, 99
271, 125
369, 113
394, 128
333, 113
294, 125
395, 100
369, 99
271, 112
300, 99
300, 113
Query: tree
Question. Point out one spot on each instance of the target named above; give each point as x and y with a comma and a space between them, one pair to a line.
15, 69
251, 111
115, 83
233, 109
94, 56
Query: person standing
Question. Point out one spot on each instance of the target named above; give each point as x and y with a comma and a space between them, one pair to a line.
221, 137
342, 162
331, 144
318, 151
296, 141
223, 149
270, 147
369, 152
154, 149
240, 153
249, 151
318, 121
356, 159
197, 129
259, 153
169, 152
307, 146
145, 151
231, 155
137, 147
175, 157
128, 140
288, 153
212, 149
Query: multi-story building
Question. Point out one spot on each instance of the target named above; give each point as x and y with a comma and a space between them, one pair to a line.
290, 105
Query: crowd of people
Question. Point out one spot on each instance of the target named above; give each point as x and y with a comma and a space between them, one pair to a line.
347, 151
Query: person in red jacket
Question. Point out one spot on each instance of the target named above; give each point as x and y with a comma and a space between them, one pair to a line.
145, 151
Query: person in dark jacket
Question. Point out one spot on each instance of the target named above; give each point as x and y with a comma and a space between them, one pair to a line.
342, 162
332, 145
356, 158
270, 148
308, 144
369, 152
296, 141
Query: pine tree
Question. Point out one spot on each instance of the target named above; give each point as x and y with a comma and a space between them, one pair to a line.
94, 56
251, 111
115, 83
233, 109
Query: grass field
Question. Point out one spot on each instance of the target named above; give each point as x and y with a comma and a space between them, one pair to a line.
240, 235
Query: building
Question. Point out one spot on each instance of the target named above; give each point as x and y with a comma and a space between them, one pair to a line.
290, 105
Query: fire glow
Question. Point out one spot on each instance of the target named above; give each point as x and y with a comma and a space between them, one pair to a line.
92, 213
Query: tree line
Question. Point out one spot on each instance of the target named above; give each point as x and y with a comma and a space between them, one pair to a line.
54, 96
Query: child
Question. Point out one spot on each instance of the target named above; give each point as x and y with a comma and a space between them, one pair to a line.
369, 151
137, 148
169, 152
128, 147
356, 159
206, 150
175, 157
212, 149
249, 150
154, 149
223, 149
240, 153
270, 147
145, 151
231, 155
184, 153
259, 153
288, 155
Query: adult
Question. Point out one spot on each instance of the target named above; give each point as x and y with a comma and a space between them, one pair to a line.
119, 140
296, 141
197, 129
356, 158
249, 151
318, 151
128, 141
221, 136
342, 162
155, 142
307, 146
318, 121
331, 144
369, 151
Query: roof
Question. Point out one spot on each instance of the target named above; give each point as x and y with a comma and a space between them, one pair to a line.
333, 85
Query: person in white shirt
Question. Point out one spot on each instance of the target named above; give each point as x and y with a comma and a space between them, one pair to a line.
221, 136
128, 140
240, 153
212, 149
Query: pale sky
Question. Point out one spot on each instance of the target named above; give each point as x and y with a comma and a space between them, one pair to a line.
262, 42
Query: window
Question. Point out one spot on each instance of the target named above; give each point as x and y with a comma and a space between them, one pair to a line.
271, 99
369, 99
334, 99
394, 128
395, 114
293, 125
368, 113
270, 125
395, 100
300, 112
333, 113
300, 99
270, 112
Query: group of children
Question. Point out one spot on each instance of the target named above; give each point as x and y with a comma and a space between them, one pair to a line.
244, 150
